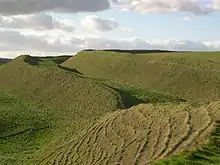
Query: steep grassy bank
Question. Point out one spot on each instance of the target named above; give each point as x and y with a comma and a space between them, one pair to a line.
140, 135
65, 103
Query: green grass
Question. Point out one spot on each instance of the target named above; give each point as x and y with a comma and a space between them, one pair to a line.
43, 105
208, 155
2, 63
132, 95
193, 77
138, 135
66, 102
23, 129
67, 109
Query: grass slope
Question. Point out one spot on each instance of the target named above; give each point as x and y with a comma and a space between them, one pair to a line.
140, 135
207, 155
194, 77
44, 105
64, 110
35, 97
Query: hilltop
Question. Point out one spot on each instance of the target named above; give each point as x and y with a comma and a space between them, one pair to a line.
109, 107
192, 76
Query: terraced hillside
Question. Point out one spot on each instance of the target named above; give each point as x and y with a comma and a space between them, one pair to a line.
140, 135
194, 77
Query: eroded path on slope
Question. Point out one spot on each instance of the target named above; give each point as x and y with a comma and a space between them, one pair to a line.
139, 135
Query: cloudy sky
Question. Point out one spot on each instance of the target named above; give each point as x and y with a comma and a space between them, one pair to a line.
54, 27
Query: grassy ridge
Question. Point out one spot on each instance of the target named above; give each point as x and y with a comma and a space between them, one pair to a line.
191, 76
66, 103
139, 135
208, 155
43, 105
55, 112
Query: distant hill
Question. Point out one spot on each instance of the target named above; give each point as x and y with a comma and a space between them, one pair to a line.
131, 51
192, 76
4, 60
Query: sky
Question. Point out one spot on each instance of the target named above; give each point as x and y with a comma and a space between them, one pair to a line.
55, 27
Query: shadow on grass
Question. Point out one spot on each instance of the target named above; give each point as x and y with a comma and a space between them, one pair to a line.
69, 70
37, 60
24, 131
59, 59
129, 98
133, 51
32, 60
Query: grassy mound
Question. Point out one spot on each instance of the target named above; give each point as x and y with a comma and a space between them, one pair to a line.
65, 110
206, 155
140, 135
34, 97
194, 77
44, 105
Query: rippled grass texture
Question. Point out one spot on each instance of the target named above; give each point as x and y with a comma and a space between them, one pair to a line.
111, 107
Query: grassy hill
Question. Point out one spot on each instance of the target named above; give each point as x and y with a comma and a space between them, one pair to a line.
191, 76
109, 107
140, 135
43, 105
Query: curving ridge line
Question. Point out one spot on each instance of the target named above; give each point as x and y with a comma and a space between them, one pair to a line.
111, 146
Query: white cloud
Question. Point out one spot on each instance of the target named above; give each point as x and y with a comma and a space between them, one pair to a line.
185, 45
15, 41
94, 22
39, 21
187, 18
195, 6
213, 44
216, 5
11, 7
128, 30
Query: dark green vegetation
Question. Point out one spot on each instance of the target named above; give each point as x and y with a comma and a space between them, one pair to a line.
23, 129
60, 110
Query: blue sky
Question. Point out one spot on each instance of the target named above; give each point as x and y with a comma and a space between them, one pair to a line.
160, 26
70, 26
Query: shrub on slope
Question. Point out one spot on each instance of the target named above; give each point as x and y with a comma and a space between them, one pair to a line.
192, 76
139, 135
